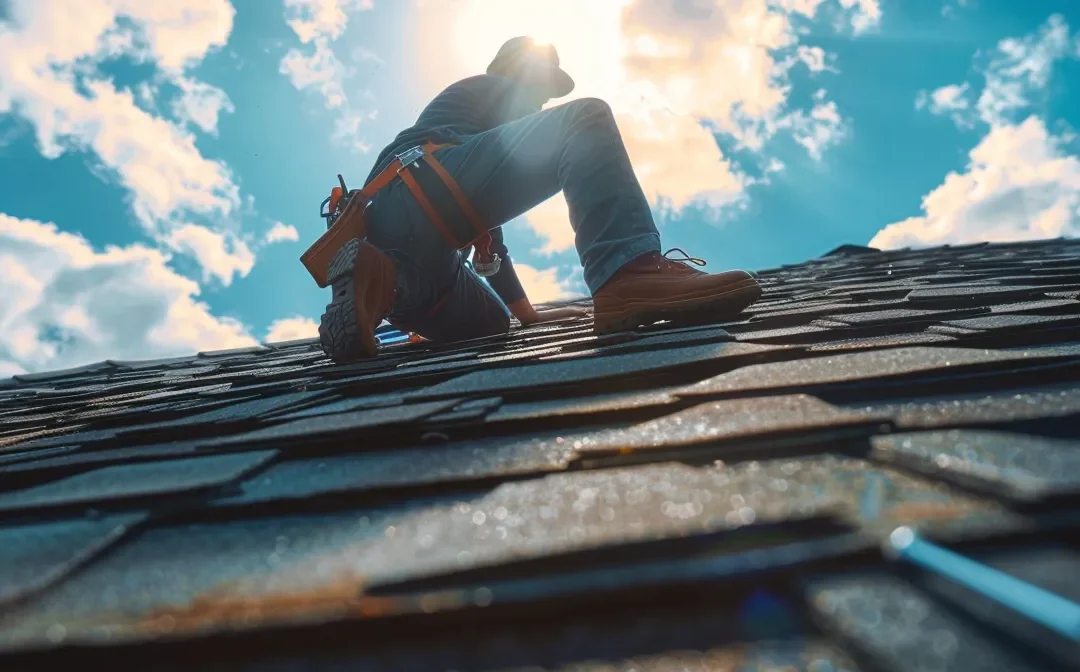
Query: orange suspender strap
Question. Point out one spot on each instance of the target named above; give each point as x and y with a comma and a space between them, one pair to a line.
350, 224
425, 204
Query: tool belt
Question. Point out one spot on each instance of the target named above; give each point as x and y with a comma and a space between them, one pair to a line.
428, 181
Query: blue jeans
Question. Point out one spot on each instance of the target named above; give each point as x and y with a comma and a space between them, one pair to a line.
506, 171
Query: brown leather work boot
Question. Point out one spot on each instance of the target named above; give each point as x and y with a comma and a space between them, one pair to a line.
653, 288
364, 281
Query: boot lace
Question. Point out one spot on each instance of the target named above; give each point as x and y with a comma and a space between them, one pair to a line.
685, 259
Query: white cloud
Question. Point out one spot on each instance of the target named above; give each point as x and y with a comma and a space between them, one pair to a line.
1017, 71
49, 53
281, 232
9, 369
864, 14
542, 285
201, 104
318, 23
816, 59
1019, 184
1020, 68
320, 69
551, 221
221, 255
292, 328
945, 100
312, 19
63, 303
819, 129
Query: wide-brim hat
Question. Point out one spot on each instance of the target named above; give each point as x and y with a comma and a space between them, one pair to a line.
533, 63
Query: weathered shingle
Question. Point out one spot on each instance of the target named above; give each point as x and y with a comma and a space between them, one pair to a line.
723, 496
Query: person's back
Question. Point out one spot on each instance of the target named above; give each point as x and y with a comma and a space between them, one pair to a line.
465, 108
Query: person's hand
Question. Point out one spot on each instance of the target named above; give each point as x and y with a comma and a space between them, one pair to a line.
561, 313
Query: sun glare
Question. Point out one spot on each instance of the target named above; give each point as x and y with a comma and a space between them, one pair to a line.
586, 33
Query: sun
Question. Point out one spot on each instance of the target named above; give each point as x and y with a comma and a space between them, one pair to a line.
586, 33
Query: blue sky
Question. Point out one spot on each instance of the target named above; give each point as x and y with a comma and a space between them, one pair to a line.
161, 164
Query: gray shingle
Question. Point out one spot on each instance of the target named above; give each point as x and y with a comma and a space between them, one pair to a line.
136, 480
36, 555
588, 369
1016, 465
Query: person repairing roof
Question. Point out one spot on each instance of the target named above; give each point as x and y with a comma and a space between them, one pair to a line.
480, 154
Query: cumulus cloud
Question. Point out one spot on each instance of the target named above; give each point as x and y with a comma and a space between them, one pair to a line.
49, 56
317, 67
312, 19
542, 285
1019, 184
201, 104
221, 255
281, 232
292, 328
951, 99
1015, 74
64, 303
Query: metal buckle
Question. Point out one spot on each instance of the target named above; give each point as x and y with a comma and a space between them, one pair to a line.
489, 269
410, 157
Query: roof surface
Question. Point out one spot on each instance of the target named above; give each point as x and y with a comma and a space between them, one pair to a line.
877, 468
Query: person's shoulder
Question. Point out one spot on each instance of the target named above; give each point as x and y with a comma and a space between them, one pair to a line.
481, 82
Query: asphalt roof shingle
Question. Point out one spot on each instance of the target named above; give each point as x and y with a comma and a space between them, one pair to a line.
682, 495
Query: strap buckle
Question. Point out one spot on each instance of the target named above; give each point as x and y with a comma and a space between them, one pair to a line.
486, 269
410, 157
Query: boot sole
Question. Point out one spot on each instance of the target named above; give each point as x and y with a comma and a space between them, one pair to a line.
340, 334
718, 306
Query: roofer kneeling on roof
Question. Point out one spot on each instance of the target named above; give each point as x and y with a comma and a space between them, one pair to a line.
482, 153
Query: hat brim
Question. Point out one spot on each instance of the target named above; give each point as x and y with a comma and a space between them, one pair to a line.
561, 83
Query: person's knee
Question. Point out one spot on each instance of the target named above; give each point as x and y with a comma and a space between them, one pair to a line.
592, 106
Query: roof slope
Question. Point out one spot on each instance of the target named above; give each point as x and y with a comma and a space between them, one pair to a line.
877, 468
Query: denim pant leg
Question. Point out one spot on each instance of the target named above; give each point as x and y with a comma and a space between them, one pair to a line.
575, 147
438, 296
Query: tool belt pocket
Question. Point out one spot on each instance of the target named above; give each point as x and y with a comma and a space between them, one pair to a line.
435, 190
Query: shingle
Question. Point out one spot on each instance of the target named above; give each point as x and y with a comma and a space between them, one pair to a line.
890, 341
88, 458
136, 480
197, 578
345, 405
1015, 465
1009, 322
1002, 408
586, 509
858, 366
16, 457
574, 511
463, 461
59, 374
563, 406
724, 421
242, 411
36, 555
581, 370
338, 423
901, 628
985, 295
899, 316
249, 350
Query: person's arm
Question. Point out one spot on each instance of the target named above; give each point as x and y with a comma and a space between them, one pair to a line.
506, 283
